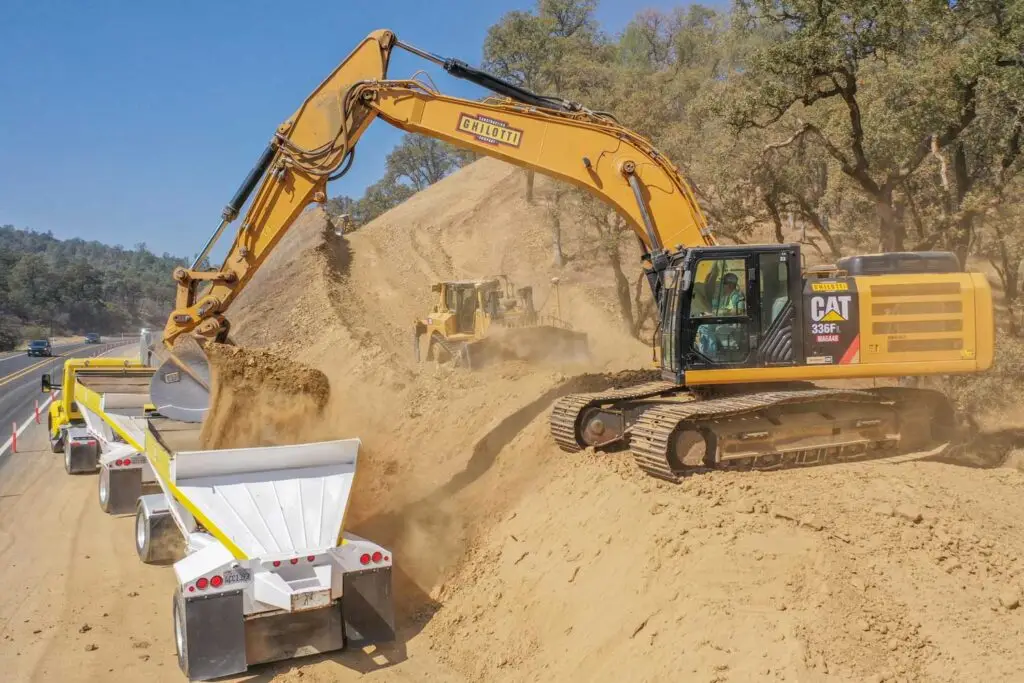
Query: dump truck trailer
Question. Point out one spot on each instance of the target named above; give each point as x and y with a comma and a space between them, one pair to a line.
263, 569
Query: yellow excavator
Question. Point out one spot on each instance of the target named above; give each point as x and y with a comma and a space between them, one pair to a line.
743, 335
473, 321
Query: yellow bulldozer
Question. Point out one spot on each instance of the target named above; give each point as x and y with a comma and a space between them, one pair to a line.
476, 321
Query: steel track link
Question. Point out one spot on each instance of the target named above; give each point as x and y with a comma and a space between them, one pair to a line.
651, 435
565, 414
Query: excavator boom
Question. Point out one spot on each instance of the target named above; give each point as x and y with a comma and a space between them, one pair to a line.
317, 143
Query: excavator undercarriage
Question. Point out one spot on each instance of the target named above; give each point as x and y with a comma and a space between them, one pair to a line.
673, 431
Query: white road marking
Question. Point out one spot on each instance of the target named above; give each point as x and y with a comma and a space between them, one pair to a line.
42, 410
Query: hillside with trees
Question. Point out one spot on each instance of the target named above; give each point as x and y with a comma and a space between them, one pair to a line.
51, 287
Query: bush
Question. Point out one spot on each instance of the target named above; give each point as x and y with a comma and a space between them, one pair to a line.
30, 332
997, 388
8, 337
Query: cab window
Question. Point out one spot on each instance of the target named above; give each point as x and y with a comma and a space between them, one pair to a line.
774, 288
719, 288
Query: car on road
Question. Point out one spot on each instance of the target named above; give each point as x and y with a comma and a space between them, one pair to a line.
40, 347
92, 338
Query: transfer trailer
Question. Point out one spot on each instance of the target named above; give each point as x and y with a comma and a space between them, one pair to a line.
264, 571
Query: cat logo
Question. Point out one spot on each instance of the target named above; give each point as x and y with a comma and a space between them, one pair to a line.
831, 309
491, 131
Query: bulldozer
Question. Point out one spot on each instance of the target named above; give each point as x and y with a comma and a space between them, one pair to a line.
476, 321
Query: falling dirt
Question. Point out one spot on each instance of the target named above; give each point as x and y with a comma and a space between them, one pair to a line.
260, 399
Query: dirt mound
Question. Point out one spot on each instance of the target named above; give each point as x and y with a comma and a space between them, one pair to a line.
893, 570
517, 561
260, 399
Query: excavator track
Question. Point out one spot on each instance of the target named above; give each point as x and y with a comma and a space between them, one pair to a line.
564, 421
889, 417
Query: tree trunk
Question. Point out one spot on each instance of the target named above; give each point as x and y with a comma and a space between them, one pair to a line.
1009, 274
643, 308
891, 232
555, 216
962, 238
622, 290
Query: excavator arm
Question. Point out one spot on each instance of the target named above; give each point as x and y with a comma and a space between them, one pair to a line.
305, 152
317, 143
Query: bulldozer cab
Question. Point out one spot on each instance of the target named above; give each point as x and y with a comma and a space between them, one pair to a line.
462, 300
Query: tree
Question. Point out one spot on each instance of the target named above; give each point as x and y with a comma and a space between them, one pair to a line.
76, 285
541, 50
380, 197
880, 87
422, 160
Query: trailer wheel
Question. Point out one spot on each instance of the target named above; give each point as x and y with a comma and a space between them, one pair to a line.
210, 635
104, 489
180, 643
155, 536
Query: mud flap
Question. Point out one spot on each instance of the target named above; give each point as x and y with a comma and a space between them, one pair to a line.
210, 634
368, 606
81, 452
123, 489
286, 635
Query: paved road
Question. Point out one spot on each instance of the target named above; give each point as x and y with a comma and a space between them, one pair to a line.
19, 380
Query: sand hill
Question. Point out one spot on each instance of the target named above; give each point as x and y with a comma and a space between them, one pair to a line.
519, 562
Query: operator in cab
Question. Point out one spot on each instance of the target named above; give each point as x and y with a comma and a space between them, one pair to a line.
729, 300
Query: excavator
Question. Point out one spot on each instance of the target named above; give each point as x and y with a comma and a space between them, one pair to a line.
747, 338
476, 320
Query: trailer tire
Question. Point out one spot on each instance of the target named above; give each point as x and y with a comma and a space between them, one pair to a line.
155, 536
180, 642
103, 489
210, 635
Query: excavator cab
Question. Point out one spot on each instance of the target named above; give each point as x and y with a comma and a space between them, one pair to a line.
731, 307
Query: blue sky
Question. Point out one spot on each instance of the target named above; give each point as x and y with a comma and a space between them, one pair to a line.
133, 122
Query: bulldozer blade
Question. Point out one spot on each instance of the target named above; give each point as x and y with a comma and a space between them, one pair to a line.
180, 388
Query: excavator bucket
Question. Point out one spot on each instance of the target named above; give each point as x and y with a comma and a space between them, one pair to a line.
180, 388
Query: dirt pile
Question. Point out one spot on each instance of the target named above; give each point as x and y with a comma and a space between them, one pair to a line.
891, 570
260, 399
519, 562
